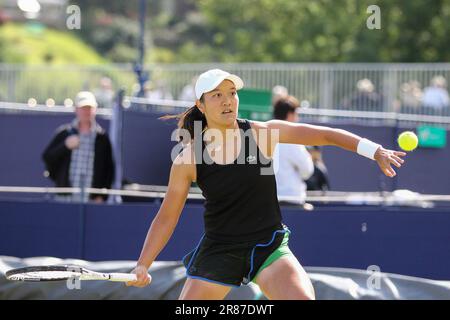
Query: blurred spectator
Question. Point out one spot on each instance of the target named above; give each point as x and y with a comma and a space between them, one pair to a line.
80, 153
436, 96
156, 89
278, 92
105, 93
319, 179
4, 17
365, 99
293, 164
188, 92
411, 95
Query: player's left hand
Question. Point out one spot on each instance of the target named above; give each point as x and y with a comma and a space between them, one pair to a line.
385, 158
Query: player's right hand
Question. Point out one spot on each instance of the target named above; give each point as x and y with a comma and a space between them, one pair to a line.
385, 158
143, 278
72, 142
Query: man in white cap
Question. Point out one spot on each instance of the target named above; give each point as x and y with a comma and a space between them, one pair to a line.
80, 153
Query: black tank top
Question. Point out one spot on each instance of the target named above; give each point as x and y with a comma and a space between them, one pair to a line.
241, 197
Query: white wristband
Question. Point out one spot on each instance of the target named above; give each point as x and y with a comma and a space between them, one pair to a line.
367, 148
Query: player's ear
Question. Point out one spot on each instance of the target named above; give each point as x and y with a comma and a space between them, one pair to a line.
200, 105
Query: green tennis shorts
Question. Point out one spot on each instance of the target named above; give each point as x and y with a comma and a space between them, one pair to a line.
233, 264
281, 251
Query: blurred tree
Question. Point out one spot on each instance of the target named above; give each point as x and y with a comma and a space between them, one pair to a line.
114, 31
328, 31
415, 31
31, 45
267, 30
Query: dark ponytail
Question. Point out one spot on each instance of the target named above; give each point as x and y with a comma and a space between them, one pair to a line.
187, 119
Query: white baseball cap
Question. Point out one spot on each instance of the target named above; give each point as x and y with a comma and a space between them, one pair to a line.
85, 98
210, 79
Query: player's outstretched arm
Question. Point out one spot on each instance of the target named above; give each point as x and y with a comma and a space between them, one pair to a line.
306, 134
164, 223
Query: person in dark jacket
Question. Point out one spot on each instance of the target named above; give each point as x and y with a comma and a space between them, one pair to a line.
80, 153
319, 179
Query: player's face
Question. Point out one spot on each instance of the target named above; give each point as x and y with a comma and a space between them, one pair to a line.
220, 105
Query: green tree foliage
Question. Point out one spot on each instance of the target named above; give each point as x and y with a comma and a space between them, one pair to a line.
113, 29
33, 43
262, 31
328, 31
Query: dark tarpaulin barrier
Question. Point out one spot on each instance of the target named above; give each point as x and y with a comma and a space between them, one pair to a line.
169, 277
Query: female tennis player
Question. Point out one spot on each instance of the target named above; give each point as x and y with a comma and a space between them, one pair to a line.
245, 239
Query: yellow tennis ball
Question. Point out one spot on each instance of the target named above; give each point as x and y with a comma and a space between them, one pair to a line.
408, 140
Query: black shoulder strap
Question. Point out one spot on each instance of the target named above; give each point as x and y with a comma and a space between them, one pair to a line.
244, 124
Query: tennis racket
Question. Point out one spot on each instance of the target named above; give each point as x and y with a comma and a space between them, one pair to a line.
59, 273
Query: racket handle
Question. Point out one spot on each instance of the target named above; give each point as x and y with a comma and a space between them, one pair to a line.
122, 277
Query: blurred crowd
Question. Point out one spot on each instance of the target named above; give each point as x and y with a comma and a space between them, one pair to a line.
411, 97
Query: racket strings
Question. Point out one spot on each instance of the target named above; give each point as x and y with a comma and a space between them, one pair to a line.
56, 273
46, 275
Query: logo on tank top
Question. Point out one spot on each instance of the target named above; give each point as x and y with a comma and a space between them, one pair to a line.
251, 159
